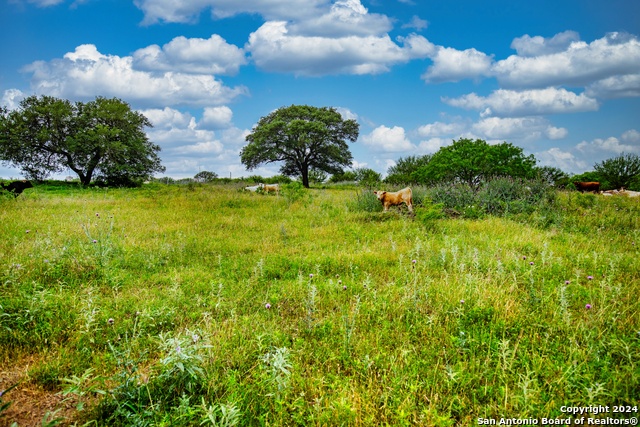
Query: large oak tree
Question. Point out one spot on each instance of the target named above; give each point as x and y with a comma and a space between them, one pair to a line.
302, 138
102, 139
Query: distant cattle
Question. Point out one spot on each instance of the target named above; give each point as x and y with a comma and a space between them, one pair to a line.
587, 186
17, 187
270, 188
393, 199
253, 188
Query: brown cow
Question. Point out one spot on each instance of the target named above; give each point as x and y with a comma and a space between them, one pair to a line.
393, 199
587, 186
17, 187
270, 188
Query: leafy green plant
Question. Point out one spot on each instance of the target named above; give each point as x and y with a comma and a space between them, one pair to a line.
295, 192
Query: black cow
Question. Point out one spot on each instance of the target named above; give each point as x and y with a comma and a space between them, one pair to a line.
17, 187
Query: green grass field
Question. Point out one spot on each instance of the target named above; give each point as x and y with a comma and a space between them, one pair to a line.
201, 304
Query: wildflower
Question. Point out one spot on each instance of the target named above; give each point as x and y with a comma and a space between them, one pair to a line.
524, 257
344, 288
413, 261
195, 338
178, 349
267, 306
588, 306
531, 263
95, 241
111, 321
28, 231
311, 276
590, 277
461, 301
97, 214
566, 282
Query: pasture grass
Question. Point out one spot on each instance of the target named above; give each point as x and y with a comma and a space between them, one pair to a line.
182, 305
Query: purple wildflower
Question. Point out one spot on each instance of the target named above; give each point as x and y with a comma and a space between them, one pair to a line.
267, 306
111, 321
590, 277
588, 306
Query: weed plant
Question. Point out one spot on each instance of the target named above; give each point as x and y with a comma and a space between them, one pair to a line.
209, 306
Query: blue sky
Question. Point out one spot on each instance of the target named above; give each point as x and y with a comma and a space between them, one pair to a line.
561, 79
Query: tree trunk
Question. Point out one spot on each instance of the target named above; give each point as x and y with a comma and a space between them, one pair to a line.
305, 176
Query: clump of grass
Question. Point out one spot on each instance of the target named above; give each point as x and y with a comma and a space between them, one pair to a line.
364, 201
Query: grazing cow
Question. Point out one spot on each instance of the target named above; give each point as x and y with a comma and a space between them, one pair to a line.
270, 188
393, 199
587, 186
17, 187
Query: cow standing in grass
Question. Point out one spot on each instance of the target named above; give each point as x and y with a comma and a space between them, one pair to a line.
17, 187
270, 188
393, 199
587, 186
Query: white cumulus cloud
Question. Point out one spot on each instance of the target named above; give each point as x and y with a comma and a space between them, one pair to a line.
528, 46
388, 139
87, 73
563, 160
345, 17
191, 55
11, 98
189, 10
441, 129
579, 64
188, 144
616, 87
608, 145
272, 48
521, 128
452, 65
503, 102
217, 117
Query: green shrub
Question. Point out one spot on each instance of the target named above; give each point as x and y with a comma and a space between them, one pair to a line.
295, 192
364, 201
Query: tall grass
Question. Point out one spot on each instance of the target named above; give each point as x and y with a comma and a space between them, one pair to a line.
186, 306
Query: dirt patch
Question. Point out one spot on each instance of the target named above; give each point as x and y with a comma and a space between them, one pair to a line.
30, 403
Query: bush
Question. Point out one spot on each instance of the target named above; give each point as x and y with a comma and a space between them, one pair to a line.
499, 196
295, 192
365, 201
452, 196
